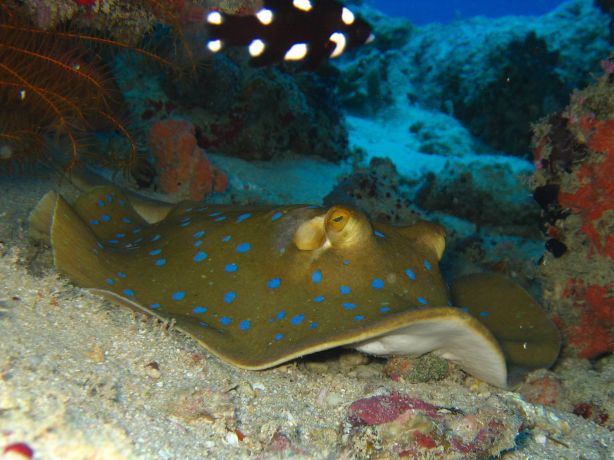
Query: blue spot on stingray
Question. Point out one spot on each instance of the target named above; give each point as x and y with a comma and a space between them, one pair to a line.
94, 222
298, 319
345, 290
225, 320
137, 230
231, 268
179, 295
200, 256
113, 241
110, 281
379, 234
484, 313
281, 315
313, 325
427, 264
155, 252
422, 300
316, 276
198, 243
199, 234
359, 318
126, 220
105, 218
319, 299
278, 215
278, 336
274, 283
109, 198
346, 262
244, 247
100, 203
221, 218
160, 262
377, 283
128, 292
243, 217
230, 296
185, 224
122, 203
349, 305
154, 306
121, 274
199, 310
384, 309
155, 238
227, 238
465, 309
120, 235
410, 274
203, 324
215, 214
245, 324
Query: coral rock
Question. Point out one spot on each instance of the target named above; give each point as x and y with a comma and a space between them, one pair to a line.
542, 387
575, 159
383, 409
183, 168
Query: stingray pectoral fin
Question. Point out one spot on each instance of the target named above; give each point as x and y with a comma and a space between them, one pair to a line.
529, 339
41, 217
76, 252
450, 333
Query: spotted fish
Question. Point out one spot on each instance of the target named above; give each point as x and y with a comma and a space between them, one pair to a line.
309, 31
258, 287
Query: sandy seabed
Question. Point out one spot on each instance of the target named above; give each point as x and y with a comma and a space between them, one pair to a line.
83, 379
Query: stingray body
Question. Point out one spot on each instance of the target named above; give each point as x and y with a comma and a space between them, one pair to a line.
259, 287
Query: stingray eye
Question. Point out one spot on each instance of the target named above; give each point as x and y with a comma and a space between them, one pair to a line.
339, 219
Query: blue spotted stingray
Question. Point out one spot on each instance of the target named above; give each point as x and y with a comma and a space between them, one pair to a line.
261, 286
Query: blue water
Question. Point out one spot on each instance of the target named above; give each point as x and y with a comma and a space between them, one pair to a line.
425, 11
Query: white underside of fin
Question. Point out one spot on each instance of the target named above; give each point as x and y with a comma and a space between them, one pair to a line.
452, 339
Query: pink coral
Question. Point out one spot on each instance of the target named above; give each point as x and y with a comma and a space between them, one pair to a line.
183, 168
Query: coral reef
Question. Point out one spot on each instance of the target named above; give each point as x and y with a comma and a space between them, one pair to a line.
525, 88
496, 76
183, 169
608, 7
376, 190
466, 192
230, 104
574, 152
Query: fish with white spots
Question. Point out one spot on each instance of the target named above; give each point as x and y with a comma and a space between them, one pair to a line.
261, 286
309, 31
